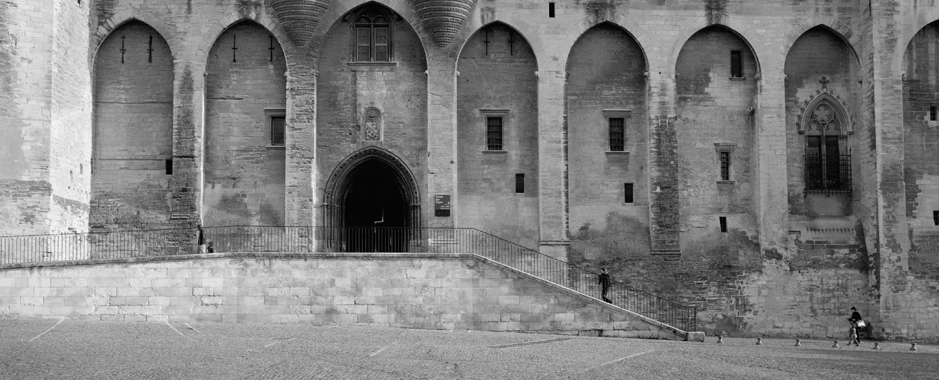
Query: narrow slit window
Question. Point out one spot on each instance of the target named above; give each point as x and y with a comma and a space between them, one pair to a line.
736, 64
725, 166
617, 134
723, 221
628, 193
519, 183
935, 217
277, 130
169, 166
933, 114
494, 133
551, 9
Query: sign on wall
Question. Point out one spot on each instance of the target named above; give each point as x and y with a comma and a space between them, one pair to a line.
442, 205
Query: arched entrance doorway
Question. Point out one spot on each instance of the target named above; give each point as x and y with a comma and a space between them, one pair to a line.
372, 204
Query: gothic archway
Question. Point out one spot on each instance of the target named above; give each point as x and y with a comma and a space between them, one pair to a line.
372, 204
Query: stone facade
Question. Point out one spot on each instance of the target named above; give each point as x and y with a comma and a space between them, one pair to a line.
778, 162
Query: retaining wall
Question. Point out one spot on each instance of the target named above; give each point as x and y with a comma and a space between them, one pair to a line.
450, 291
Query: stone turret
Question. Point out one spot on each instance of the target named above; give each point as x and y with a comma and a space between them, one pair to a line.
443, 18
299, 17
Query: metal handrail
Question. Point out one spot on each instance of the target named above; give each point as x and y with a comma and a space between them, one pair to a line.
106, 245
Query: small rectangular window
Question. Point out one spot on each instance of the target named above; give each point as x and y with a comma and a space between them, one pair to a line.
725, 166
935, 217
551, 9
723, 220
520, 183
617, 134
933, 114
169, 166
628, 193
277, 130
736, 64
494, 133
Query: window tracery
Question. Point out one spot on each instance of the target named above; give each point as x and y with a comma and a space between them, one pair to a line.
827, 159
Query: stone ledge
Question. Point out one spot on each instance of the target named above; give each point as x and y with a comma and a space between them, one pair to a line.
240, 255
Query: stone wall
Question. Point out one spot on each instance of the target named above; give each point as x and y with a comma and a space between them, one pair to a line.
245, 88
716, 117
402, 290
71, 103
497, 78
606, 78
921, 142
26, 37
133, 135
885, 235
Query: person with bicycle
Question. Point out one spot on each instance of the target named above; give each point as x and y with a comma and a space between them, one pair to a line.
856, 323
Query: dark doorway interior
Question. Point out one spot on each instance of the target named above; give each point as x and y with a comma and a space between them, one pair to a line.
375, 211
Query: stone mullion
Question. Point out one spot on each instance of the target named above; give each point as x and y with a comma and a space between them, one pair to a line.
300, 141
771, 156
441, 138
553, 161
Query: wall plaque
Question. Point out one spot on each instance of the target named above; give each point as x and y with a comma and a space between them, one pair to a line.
442, 205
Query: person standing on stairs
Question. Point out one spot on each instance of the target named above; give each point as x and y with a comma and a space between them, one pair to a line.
605, 281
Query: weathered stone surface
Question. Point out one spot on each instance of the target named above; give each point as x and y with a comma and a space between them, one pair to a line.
86, 138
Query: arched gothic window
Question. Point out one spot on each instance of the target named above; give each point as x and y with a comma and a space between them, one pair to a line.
372, 36
827, 159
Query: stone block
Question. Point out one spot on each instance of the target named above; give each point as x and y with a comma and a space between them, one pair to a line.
31, 301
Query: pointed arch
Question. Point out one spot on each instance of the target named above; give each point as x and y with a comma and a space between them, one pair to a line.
460, 47
838, 109
340, 180
208, 38
207, 44
337, 11
691, 31
924, 17
107, 28
835, 27
580, 37
472, 26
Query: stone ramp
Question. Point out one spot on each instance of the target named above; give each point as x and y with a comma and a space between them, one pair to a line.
640, 326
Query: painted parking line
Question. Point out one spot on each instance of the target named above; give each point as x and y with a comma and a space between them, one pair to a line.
49, 329
193, 328
174, 329
552, 340
621, 359
278, 342
382, 349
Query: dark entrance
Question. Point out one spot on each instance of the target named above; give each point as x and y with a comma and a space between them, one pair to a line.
375, 209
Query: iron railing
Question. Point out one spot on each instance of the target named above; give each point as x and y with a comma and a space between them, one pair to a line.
84, 247
827, 174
